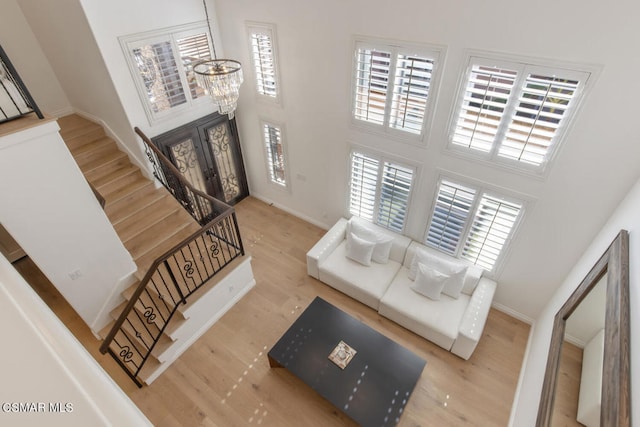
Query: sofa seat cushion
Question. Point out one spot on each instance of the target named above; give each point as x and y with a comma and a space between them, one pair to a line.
437, 321
366, 284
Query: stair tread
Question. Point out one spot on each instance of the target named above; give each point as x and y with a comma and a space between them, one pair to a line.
120, 213
149, 368
73, 125
137, 323
114, 175
157, 233
152, 298
100, 144
98, 158
92, 166
165, 310
139, 221
144, 262
126, 190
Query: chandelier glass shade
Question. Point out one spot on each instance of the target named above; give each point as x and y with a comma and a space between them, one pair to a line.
221, 79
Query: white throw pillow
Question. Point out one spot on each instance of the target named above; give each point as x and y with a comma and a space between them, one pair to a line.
471, 279
429, 282
454, 283
456, 272
365, 231
359, 250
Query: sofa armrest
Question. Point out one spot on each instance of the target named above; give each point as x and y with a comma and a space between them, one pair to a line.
325, 246
474, 319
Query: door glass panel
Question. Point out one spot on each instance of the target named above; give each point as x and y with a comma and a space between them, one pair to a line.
227, 170
186, 160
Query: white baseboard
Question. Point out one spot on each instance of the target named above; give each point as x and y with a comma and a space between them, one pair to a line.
503, 308
60, 113
291, 211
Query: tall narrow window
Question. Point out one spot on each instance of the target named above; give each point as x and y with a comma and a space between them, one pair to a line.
161, 66
263, 55
450, 214
472, 223
274, 154
380, 190
515, 112
393, 86
490, 229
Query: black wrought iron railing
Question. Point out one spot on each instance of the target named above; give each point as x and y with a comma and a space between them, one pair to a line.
15, 99
201, 206
144, 328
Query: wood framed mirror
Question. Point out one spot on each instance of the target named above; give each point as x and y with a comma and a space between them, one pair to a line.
610, 278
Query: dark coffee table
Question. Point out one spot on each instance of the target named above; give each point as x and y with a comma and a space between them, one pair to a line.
377, 382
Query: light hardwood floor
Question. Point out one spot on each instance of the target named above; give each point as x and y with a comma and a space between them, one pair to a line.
565, 406
224, 379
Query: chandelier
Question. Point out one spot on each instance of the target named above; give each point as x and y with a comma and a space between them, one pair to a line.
220, 78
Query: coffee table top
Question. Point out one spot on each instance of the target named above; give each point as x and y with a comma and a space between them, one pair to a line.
373, 388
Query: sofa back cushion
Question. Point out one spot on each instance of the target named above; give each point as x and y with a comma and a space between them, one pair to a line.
471, 277
398, 244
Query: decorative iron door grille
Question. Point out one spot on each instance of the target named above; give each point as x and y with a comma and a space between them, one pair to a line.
207, 153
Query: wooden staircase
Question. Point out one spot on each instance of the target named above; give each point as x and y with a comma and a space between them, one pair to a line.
148, 220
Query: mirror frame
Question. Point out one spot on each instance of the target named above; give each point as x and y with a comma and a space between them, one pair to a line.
615, 404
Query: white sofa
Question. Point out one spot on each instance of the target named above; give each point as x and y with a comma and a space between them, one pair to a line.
454, 324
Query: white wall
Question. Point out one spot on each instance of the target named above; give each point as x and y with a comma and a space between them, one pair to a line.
28, 58
592, 172
44, 363
68, 42
626, 217
50, 210
315, 45
116, 18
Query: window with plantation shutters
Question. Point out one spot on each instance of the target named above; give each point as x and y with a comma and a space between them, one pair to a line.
392, 86
193, 49
263, 55
363, 186
484, 104
395, 187
490, 230
380, 190
515, 113
158, 68
472, 223
542, 106
274, 154
161, 64
450, 214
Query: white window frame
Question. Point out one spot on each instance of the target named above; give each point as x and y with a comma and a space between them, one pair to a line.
524, 66
382, 159
269, 30
171, 35
481, 190
432, 52
267, 153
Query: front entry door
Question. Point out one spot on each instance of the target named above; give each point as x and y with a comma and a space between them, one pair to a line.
207, 153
